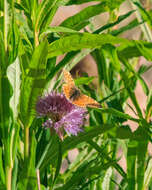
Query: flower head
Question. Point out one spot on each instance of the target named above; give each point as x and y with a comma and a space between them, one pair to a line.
61, 114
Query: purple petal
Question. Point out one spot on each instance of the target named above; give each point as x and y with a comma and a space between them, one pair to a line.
48, 123
53, 103
62, 114
72, 122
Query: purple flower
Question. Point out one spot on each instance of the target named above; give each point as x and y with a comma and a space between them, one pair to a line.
61, 114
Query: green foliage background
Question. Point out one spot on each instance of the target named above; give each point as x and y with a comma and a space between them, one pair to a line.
30, 158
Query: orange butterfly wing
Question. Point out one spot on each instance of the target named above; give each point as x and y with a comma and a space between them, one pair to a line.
68, 78
66, 90
82, 100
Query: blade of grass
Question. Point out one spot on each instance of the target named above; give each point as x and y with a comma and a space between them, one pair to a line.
59, 162
72, 142
116, 113
109, 25
134, 23
115, 165
44, 153
75, 22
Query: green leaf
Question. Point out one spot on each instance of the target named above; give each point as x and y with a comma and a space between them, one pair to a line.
149, 105
141, 163
71, 142
112, 54
146, 52
1, 5
13, 73
6, 93
85, 171
136, 160
2, 174
131, 164
2, 54
13, 41
107, 157
109, 25
59, 162
101, 65
21, 7
6, 23
75, 22
14, 175
26, 4
45, 152
144, 68
61, 64
27, 178
116, 113
14, 139
122, 132
46, 11
80, 20
128, 51
137, 75
146, 16
107, 179
110, 4
80, 41
33, 82
148, 174
5, 116
2, 187
131, 93
58, 29
77, 2
83, 80
134, 23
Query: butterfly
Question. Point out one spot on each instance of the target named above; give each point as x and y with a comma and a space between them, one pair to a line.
73, 94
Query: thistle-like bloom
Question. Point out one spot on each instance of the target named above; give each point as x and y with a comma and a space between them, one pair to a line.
61, 114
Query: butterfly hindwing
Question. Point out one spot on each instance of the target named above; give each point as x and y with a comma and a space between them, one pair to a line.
84, 101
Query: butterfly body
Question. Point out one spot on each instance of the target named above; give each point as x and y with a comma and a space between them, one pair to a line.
74, 94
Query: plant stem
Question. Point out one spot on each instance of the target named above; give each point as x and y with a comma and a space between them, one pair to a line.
8, 177
38, 179
36, 38
26, 142
5, 24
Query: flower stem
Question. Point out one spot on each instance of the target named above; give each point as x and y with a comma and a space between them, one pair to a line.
38, 179
8, 177
26, 142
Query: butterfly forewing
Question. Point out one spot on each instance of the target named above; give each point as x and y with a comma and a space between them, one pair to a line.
66, 90
68, 78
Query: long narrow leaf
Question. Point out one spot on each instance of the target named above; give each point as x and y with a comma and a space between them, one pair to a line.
75, 22
80, 41
33, 84
71, 143
14, 73
109, 25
